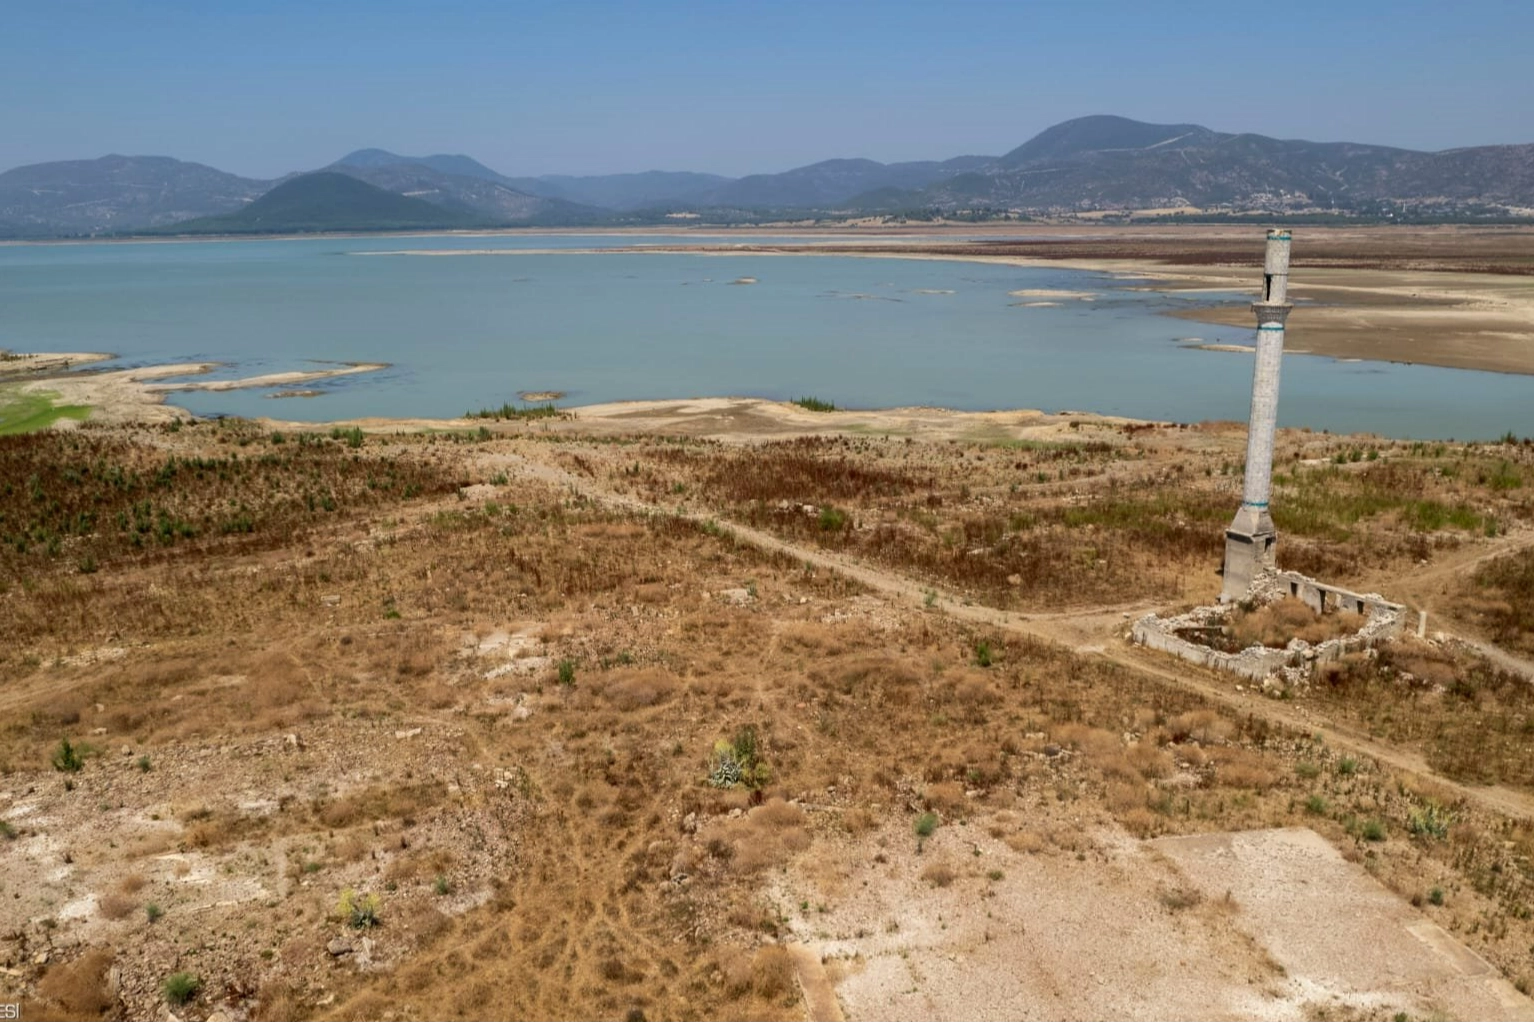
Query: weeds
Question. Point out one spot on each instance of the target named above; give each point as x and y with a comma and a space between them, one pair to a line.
360, 911
67, 757
738, 762
180, 988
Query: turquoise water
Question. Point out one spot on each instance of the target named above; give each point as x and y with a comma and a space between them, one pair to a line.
469, 331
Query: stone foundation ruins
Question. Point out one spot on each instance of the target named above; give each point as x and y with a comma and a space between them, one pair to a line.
1179, 635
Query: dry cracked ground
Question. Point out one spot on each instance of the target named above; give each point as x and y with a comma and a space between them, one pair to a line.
732, 710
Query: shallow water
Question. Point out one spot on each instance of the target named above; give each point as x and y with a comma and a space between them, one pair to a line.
469, 331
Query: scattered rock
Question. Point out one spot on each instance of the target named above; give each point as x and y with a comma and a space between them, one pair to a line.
340, 946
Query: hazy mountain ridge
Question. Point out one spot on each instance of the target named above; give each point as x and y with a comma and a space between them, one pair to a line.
329, 201
1087, 164
483, 192
1111, 162
115, 193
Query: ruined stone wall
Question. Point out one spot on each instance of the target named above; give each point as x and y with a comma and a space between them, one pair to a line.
1382, 620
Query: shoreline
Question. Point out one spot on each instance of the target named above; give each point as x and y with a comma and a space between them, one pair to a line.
1452, 320
138, 394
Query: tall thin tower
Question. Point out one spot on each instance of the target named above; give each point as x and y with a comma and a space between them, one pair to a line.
1250, 540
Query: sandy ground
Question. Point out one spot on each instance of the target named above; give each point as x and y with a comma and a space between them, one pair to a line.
989, 922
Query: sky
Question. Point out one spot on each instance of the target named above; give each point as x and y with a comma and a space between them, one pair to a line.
264, 88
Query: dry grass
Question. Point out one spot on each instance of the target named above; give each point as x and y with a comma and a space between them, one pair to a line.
589, 868
78, 989
1501, 600
1275, 624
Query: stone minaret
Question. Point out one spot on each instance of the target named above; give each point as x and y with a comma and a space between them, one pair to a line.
1250, 539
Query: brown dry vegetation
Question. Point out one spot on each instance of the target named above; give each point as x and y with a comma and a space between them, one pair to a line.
497, 714
1500, 599
1289, 618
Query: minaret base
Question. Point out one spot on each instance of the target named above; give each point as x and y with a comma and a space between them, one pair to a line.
1250, 544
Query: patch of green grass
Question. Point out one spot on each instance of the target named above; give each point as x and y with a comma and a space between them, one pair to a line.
28, 411
567, 672
180, 988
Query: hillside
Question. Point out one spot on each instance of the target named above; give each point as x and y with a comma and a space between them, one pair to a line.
1112, 162
115, 193
477, 194
326, 201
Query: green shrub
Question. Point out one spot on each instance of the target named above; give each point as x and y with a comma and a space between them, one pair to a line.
738, 762
1431, 821
926, 824
67, 757
180, 988
153, 911
832, 519
815, 404
1347, 767
567, 672
359, 911
983, 654
1373, 830
1435, 895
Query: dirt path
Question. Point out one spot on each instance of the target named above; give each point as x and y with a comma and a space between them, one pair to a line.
1096, 632
1430, 586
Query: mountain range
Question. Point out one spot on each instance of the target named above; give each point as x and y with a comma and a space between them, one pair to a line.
1099, 163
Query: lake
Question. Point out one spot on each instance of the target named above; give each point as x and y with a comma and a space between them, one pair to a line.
469, 331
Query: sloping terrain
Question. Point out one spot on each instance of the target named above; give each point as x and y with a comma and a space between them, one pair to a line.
326, 201
115, 193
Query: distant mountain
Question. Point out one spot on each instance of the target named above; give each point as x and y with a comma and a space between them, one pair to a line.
488, 199
115, 193
831, 183
627, 191
1087, 164
328, 201
462, 166
1102, 162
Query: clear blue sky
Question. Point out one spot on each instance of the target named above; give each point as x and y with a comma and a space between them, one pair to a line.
261, 88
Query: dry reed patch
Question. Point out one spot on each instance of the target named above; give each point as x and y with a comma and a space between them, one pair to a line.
765, 837
114, 906
939, 874
379, 802
78, 989
1275, 624
768, 975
